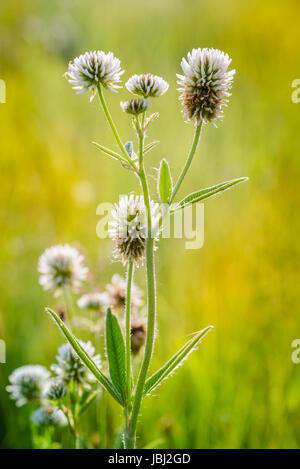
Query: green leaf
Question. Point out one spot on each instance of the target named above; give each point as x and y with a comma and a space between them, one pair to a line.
165, 186
150, 119
150, 146
174, 362
206, 193
109, 152
86, 359
115, 349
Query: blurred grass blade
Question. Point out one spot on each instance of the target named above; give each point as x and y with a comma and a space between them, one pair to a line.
176, 361
164, 182
89, 363
109, 152
84, 404
158, 443
115, 349
150, 146
206, 193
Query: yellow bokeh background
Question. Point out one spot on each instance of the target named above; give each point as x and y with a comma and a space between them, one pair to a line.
241, 388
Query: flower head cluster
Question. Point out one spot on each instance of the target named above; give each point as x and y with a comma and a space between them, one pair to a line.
28, 383
205, 84
57, 390
60, 266
49, 416
69, 367
147, 85
115, 293
92, 300
129, 228
92, 69
135, 106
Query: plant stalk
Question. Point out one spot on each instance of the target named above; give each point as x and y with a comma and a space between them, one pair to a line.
151, 301
188, 161
130, 271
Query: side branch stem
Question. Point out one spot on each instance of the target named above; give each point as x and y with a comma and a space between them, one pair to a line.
188, 161
113, 127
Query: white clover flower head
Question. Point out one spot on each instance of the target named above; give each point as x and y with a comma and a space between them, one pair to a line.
69, 367
46, 416
205, 84
129, 228
147, 85
56, 390
61, 266
135, 106
92, 300
116, 293
92, 69
28, 384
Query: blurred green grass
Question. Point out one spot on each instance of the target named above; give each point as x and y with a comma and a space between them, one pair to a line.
240, 389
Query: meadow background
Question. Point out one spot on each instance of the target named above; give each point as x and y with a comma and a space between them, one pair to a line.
240, 389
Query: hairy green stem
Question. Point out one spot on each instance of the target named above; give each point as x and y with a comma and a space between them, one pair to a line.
74, 412
130, 271
150, 301
72, 425
188, 161
77, 441
69, 303
127, 409
113, 127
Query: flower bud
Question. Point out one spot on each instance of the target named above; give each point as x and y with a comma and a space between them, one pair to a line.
135, 106
147, 85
